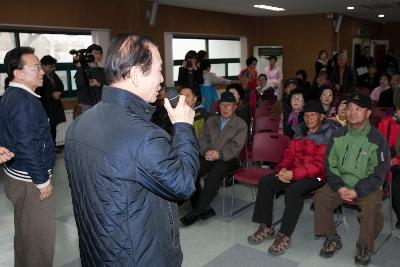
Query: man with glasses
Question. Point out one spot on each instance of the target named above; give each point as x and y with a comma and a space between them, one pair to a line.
90, 82
25, 130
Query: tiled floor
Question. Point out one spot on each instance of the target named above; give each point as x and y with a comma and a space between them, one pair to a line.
220, 241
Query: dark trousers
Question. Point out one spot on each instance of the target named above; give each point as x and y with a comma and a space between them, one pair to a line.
371, 216
295, 194
396, 191
34, 237
215, 171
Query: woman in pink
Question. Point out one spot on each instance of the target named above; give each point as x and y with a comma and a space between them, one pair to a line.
274, 76
384, 84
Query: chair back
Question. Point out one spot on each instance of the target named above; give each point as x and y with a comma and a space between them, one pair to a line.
267, 124
262, 111
269, 147
214, 108
378, 113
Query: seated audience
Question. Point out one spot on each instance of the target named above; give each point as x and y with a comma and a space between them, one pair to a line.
242, 108
328, 101
341, 117
371, 79
293, 114
315, 90
221, 141
301, 76
160, 116
263, 89
384, 84
201, 114
300, 172
389, 127
357, 160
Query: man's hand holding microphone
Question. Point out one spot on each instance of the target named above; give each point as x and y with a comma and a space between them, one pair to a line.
182, 112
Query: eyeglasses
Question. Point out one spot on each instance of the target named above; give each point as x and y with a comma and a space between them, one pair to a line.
327, 94
36, 68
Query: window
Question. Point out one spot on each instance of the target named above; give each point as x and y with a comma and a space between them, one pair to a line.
224, 55
55, 44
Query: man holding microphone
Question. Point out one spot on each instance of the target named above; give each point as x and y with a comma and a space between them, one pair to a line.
125, 172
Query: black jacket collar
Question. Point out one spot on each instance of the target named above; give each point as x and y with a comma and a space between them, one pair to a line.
127, 99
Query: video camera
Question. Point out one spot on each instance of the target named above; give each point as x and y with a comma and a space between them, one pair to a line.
84, 56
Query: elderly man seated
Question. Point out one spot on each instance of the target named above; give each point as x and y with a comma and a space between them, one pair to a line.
356, 162
221, 141
300, 172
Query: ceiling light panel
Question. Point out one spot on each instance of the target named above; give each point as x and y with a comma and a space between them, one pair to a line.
272, 8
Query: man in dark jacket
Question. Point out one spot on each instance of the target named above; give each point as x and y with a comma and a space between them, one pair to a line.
301, 171
125, 172
24, 130
221, 141
356, 162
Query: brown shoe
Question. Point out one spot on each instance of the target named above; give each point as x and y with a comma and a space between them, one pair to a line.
263, 233
280, 245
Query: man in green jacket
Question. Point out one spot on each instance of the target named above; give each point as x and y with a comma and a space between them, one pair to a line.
356, 162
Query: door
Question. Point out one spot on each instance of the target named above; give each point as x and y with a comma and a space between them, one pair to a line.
378, 50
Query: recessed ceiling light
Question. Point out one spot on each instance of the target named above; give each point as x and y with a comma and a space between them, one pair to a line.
350, 7
272, 8
381, 16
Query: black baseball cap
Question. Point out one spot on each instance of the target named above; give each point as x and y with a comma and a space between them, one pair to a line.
361, 100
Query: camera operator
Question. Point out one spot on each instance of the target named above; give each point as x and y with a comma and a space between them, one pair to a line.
189, 75
90, 78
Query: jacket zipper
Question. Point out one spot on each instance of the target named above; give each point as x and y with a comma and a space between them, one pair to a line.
345, 154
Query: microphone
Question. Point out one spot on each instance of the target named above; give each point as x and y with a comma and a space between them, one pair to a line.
173, 97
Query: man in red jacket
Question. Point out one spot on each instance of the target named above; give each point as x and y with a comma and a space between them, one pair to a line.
300, 172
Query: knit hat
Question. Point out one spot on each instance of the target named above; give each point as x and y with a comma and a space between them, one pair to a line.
314, 105
227, 97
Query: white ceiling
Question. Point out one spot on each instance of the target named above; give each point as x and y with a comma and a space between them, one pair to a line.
367, 9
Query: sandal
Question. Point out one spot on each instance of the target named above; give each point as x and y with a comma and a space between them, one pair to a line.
263, 233
280, 245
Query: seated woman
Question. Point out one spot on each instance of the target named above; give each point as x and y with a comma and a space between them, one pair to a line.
300, 172
201, 115
389, 127
328, 101
340, 118
384, 84
293, 113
